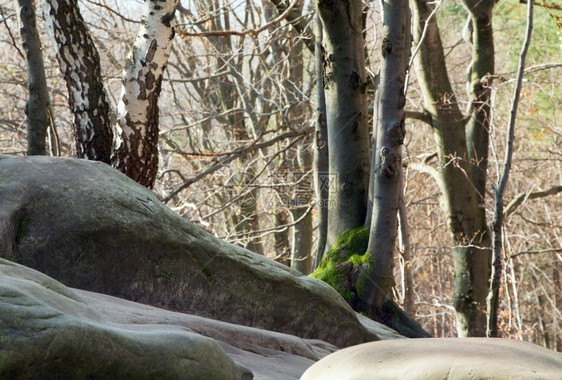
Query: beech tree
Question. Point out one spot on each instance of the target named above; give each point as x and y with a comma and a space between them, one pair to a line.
389, 130
345, 86
363, 186
455, 146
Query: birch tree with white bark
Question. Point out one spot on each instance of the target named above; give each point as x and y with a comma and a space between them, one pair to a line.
79, 63
135, 150
136, 145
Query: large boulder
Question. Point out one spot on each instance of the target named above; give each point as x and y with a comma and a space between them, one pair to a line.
90, 227
47, 331
451, 359
269, 355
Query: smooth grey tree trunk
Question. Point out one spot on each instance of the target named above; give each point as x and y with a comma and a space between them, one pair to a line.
481, 67
465, 217
367, 277
37, 108
79, 62
321, 151
345, 86
136, 145
389, 129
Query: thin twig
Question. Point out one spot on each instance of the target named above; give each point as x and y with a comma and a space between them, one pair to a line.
111, 10
536, 252
5, 20
235, 154
254, 32
522, 197
497, 243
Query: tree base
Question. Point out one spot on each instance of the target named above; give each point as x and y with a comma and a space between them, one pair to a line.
343, 268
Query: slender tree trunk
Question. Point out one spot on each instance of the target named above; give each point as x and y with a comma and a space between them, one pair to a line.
321, 175
557, 342
136, 148
301, 253
79, 62
282, 246
493, 296
466, 219
301, 258
406, 254
481, 67
36, 110
345, 86
389, 129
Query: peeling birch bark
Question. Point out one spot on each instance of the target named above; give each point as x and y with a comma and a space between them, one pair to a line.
136, 145
79, 62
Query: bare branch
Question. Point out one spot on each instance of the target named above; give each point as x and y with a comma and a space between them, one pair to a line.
522, 197
536, 252
14, 44
265, 231
253, 32
111, 10
424, 116
298, 22
235, 154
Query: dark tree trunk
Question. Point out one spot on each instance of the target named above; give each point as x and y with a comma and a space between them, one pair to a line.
37, 108
282, 245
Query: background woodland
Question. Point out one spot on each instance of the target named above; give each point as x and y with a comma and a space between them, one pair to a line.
236, 140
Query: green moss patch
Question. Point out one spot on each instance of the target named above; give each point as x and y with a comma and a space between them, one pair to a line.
342, 264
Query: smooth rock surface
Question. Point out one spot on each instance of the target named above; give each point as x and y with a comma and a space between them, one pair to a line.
47, 332
447, 359
91, 227
269, 355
